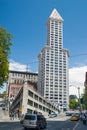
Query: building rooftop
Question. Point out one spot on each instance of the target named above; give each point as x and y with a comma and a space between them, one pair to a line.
23, 72
56, 15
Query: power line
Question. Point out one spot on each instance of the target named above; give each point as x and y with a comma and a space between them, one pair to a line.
32, 62
72, 56
78, 55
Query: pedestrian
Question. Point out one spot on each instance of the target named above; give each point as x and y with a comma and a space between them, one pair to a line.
12, 115
81, 116
84, 119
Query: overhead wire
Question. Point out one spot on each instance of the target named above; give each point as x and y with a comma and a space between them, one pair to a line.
78, 55
72, 56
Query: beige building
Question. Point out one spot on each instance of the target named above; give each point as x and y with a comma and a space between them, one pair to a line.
29, 101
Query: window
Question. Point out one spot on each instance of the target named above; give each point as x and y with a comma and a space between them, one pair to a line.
43, 101
40, 107
40, 99
30, 93
30, 117
43, 108
30, 102
29, 111
36, 97
35, 105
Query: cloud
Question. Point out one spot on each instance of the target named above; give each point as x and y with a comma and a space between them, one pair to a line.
76, 76
76, 79
17, 66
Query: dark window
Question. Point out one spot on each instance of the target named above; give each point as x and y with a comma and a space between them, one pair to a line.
30, 117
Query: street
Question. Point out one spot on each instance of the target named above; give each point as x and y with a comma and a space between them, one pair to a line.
61, 122
52, 124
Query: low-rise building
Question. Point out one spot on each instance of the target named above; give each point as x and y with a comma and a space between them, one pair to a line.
29, 101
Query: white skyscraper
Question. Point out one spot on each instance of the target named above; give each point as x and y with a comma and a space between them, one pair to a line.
53, 78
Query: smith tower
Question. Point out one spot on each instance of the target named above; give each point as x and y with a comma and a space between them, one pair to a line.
53, 81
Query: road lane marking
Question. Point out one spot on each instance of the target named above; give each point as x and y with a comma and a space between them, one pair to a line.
76, 126
63, 129
19, 128
1, 126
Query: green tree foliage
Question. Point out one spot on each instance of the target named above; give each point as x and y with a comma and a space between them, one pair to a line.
4, 94
85, 97
5, 44
73, 104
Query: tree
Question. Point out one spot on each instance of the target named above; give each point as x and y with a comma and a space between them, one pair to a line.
73, 104
5, 44
4, 94
85, 97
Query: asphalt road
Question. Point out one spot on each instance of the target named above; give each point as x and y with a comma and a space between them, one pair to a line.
60, 124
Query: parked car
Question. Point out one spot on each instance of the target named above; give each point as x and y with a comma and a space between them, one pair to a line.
69, 113
52, 115
3, 107
35, 121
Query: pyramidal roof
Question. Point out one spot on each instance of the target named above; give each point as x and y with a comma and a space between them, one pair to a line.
56, 15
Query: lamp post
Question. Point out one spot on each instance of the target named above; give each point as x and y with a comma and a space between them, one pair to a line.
78, 95
80, 104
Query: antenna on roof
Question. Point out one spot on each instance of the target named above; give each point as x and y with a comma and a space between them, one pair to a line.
26, 71
27, 68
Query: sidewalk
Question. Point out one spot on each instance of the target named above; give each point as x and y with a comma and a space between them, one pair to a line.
9, 120
81, 126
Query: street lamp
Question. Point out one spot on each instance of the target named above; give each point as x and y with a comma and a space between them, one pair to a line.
78, 95
78, 88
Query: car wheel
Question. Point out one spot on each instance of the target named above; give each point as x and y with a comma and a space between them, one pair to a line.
38, 128
45, 126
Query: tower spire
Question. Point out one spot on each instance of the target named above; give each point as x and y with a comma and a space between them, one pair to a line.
56, 15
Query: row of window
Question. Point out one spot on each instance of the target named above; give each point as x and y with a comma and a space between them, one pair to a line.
34, 104
59, 94
36, 97
22, 75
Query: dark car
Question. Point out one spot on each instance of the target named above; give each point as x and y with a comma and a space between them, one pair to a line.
35, 121
3, 107
69, 113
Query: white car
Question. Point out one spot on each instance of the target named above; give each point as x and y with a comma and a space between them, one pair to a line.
52, 115
34, 121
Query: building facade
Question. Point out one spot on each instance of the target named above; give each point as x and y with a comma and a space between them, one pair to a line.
16, 81
85, 83
29, 101
53, 78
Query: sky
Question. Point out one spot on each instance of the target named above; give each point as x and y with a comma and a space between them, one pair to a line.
26, 21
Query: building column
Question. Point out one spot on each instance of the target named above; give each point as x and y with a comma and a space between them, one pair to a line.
25, 97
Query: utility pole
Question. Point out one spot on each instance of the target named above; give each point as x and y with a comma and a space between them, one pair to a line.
80, 105
79, 94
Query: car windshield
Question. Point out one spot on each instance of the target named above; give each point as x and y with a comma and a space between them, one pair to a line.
52, 114
75, 115
30, 117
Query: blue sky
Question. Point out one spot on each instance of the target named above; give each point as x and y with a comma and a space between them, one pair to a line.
26, 21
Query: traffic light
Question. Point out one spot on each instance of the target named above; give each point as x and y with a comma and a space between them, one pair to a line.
81, 100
